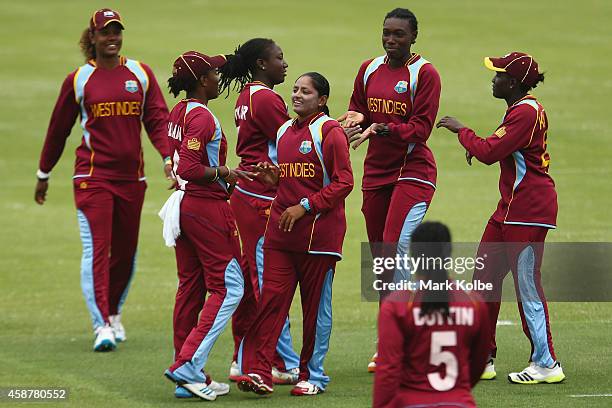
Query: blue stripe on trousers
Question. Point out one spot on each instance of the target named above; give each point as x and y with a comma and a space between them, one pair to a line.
322, 334
87, 278
234, 284
533, 308
413, 219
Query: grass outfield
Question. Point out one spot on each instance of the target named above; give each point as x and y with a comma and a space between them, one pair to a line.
45, 337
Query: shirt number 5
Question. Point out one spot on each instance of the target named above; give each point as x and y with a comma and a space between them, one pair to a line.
437, 356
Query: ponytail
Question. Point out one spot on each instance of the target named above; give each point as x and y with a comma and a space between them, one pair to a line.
432, 241
242, 64
87, 47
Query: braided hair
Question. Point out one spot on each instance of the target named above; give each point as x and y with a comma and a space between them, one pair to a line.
242, 64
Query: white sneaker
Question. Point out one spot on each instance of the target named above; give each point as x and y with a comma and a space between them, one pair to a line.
105, 339
285, 377
118, 329
201, 390
234, 373
372, 363
306, 388
219, 388
535, 374
489, 371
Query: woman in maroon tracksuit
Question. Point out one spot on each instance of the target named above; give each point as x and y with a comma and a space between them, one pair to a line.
303, 239
513, 239
113, 96
207, 249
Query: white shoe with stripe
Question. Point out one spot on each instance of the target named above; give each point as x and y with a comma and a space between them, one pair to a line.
535, 374
201, 390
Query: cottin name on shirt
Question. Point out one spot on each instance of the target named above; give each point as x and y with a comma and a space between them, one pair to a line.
457, 316
105, 109
387, 106
306, 170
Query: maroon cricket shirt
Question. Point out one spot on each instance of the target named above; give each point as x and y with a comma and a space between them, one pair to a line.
407, 100
314, 163
111, 104
197, 142
259, 113
528, 195
430, 359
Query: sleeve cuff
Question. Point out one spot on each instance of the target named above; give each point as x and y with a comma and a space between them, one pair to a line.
41, 175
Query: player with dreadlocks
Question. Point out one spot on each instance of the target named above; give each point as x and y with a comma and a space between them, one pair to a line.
254, 69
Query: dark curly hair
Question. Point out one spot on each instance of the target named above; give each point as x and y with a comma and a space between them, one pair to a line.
87, 47
241, 65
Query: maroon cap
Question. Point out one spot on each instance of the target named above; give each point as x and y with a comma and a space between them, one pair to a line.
518, 65
194, 64
103, 17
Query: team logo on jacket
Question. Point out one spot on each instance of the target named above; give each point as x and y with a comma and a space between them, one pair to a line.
131, 86
401, 87
501, 132
194, 144
306, 147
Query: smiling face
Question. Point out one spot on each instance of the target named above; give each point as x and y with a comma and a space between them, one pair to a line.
274, 65
305, 98
397, 37
108, 40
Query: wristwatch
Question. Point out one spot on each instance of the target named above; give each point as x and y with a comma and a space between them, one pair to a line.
306, 204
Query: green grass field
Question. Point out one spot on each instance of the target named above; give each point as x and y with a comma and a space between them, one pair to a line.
45, 336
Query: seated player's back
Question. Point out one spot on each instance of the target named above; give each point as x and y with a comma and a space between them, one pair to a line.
430, 359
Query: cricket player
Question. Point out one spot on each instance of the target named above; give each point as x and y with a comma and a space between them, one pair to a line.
303, 239
395, 100
256, 67
526, 211
207, 247
113, 96
432, 343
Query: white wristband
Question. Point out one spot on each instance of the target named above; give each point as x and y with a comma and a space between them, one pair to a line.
41, 175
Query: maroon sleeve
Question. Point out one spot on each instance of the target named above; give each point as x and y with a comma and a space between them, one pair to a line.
199, 130
424, 108
269, 112
514, 133
479, 352
62, 119
155, 117
338, 165
390, 354
358, 101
